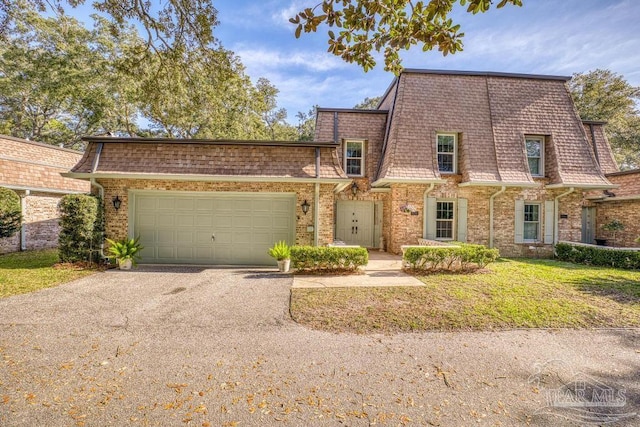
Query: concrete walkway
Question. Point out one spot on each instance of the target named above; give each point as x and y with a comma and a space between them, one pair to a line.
383, 270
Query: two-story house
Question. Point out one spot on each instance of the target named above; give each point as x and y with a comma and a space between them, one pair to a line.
492, 158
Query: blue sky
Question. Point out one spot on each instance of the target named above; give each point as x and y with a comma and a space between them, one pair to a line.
558, 37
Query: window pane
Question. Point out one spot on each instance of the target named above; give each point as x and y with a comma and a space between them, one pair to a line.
446, 143
444, 229
354, 149
354, 167
444, 210
531, 231
534, 166
533, 148
445, 162
531, 212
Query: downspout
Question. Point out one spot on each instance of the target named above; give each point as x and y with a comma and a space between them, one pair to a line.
316, 213
424, 201
556, 208
491, 231
317, 162
23, 231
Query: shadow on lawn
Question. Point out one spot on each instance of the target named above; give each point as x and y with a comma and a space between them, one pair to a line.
624, 291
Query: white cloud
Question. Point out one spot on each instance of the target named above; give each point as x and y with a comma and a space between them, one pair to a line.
270, 59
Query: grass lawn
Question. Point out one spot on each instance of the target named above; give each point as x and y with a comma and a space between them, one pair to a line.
510, 293
23, 272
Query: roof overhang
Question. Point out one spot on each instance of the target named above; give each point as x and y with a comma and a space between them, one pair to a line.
498, 184
582, 186
206, 178
616, 199
384, 182
42, 189
249, 143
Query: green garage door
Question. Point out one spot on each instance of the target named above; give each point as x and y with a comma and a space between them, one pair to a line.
212, 228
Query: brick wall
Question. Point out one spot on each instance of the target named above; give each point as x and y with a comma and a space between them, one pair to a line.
406, 229
117, 222
627, 211
40, 222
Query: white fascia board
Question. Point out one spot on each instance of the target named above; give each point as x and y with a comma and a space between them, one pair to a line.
498, 184
208, 178
386, 181
583, 186
43, 190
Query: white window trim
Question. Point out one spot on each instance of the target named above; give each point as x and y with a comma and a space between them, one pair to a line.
362, 159
455, 152
454, 220
540, 220
541, 139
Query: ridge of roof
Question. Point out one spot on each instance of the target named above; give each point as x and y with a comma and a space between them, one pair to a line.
486, 74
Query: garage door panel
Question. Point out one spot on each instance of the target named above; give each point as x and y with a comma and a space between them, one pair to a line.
177, 228
165, 236
165, 203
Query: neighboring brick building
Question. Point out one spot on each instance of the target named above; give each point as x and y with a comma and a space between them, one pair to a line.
491, 158
33, 170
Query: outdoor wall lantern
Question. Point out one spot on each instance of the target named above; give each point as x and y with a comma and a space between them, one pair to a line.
116, 202
305, 207
354, 189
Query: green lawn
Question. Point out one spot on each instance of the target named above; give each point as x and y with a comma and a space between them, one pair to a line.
511, 293
24, 272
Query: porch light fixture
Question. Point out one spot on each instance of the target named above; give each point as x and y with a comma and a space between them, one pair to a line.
305, 207
354, 189
116, 202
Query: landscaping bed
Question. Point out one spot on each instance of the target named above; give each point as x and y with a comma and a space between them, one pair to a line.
510, 293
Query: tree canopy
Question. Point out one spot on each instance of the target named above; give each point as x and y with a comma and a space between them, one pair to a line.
603, 95
60, 81
10, 212
365, 26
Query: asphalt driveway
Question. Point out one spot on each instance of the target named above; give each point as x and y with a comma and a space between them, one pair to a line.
189, 346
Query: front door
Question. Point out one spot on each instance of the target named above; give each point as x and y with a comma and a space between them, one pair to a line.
588, 225
355, 222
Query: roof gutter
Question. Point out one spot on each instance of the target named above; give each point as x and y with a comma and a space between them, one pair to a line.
386, 181
498, 184
206, 178
583, 186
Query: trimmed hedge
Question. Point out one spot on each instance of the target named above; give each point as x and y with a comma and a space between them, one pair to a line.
81, 228
591, 255
436, 258
328, 259
10, 212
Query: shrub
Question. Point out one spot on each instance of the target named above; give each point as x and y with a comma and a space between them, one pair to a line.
10, 212
599, 256
438, 258
81, 228
328, 259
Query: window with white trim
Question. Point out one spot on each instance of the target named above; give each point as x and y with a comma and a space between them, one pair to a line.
446, 149
535, 154
531, 230
445, 217
354, 157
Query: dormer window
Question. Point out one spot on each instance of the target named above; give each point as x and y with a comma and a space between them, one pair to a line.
535, 154
354, 157
446, 149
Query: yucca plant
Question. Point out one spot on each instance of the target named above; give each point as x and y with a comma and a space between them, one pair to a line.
125, 250
280, 251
